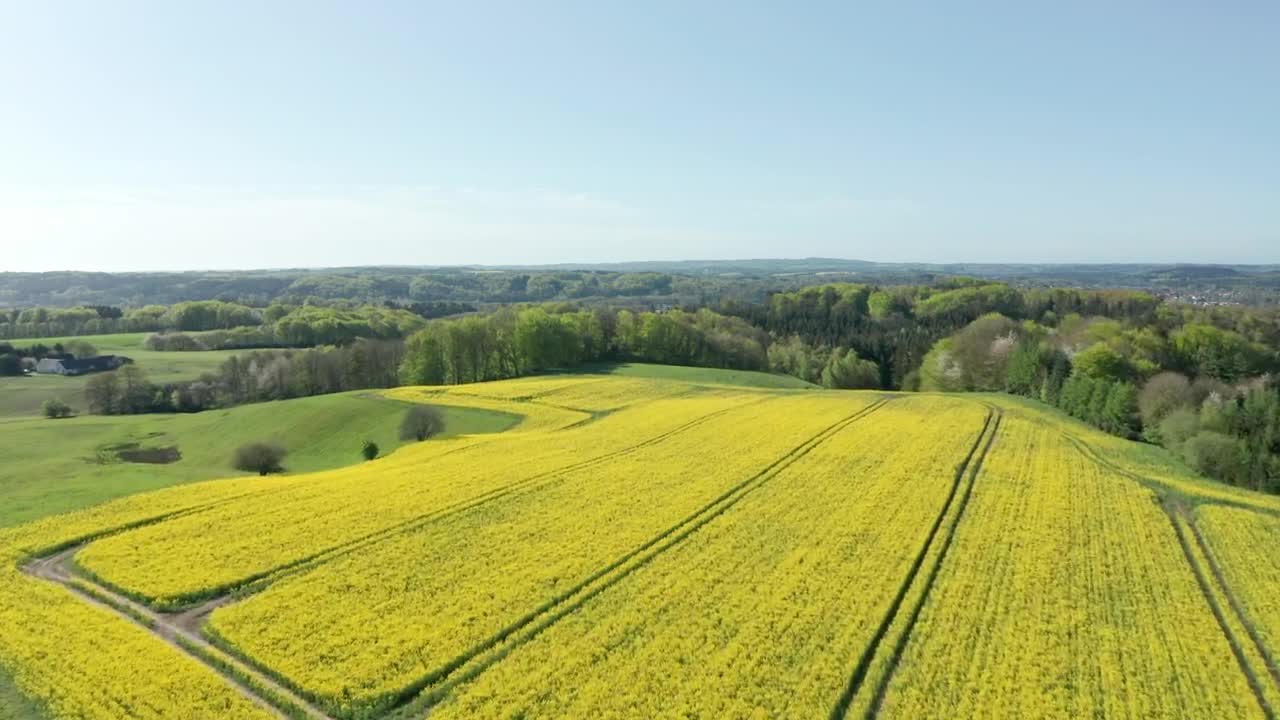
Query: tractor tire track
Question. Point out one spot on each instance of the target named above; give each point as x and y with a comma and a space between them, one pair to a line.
80, 540
1174, 511
969, 467
1234, 602
420, 695
260, 581
1216, 609
527, 629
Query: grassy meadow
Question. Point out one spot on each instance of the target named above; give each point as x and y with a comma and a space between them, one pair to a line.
55, 466
16, 706
707, 376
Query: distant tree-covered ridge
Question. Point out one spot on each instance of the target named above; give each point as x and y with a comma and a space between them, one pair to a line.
400, 286
677, 283
224, 325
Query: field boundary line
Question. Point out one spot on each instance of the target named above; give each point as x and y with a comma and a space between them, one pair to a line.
1206, 591
419, 694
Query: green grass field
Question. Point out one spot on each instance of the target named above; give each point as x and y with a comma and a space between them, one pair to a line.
700, 375
54, 466
22, 396
16, 706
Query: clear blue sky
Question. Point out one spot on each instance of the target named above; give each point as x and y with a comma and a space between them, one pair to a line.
183, 135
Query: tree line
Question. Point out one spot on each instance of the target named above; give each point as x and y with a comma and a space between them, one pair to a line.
510, 342
517, 341
362, 286
1206, 393
292, 327
223, 325
104, 319
257, 376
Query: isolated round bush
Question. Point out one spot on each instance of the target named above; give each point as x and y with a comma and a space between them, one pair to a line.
262, 458
55, 408
421, 422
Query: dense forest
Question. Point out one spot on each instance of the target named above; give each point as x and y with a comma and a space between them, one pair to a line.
521, 341
1199, 380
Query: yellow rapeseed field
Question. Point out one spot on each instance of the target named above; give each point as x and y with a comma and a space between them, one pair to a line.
194, 557
1245, 547
651, 548
478, 572
1065, 595
765, 611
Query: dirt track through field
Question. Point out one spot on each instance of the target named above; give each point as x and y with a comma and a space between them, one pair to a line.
175, 630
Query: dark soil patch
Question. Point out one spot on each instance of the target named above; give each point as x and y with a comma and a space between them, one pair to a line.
151, 455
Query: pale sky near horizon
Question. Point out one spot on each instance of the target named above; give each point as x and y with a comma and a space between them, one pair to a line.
189, 135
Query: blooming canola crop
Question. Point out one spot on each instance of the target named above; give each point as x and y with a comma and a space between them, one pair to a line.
653, 548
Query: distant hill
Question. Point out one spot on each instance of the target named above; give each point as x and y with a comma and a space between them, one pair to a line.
657, 282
